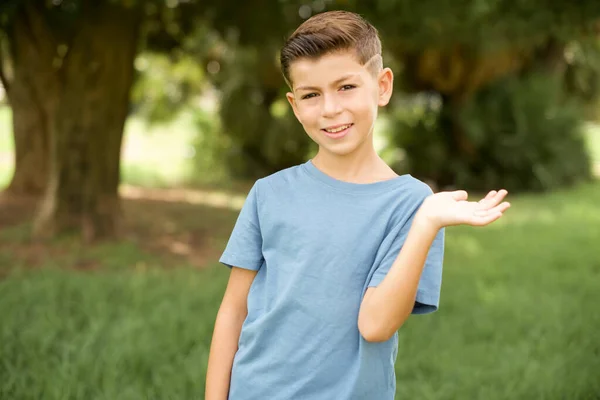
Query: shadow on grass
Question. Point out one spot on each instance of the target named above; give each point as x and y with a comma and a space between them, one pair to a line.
162, 228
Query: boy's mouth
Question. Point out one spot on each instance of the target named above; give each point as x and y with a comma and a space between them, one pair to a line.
337, 131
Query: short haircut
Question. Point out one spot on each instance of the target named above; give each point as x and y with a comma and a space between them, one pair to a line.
331, 32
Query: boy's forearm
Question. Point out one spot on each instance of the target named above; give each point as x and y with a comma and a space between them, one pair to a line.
228, 326
385, 308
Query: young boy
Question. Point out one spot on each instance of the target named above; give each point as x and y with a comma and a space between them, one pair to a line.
330, 257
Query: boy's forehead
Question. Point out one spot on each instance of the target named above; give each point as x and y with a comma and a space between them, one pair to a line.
324, 69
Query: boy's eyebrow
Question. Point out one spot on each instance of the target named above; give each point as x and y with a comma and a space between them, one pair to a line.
336, 82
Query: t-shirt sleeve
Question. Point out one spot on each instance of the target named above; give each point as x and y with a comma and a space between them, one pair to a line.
244, 248
430, 283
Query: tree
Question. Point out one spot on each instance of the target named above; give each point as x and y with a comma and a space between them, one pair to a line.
68, 73
72, 71
266, 137
457, 51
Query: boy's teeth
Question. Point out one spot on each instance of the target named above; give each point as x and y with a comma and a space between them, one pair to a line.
341, 128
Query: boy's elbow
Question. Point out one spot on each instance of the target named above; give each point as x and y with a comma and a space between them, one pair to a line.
373, 336
372, 332
377, 332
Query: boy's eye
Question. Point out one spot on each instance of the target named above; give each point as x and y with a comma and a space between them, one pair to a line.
308, 96
347, 87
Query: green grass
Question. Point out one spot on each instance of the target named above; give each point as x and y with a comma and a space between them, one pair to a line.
109, 335
518, 317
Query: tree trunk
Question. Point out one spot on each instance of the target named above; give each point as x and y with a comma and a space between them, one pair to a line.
84, 117
31, 93
31, 147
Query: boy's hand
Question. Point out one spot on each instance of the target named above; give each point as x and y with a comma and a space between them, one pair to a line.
452, 208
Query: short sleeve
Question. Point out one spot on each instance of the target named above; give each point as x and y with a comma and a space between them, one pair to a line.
430, 283
244, 248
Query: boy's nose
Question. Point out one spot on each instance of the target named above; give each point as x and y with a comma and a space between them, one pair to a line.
331, 106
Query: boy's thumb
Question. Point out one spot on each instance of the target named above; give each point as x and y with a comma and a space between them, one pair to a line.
460, 195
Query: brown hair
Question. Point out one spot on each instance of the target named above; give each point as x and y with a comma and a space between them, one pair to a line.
329, 32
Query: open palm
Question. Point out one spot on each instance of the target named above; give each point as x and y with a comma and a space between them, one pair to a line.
452, 208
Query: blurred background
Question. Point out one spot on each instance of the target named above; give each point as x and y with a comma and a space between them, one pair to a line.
131, 132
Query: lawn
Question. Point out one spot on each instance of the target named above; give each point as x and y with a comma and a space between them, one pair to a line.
518, 317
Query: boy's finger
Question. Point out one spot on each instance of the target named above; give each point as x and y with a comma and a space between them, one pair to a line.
491, 194
486, 219
494, 200
497, 209
484, 203
459, 195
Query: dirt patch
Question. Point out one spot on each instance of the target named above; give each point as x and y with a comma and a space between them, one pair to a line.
15, 209
164, 227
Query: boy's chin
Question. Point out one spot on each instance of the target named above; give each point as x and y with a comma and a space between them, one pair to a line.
339, 149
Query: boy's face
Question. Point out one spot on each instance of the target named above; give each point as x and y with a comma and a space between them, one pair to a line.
335, 98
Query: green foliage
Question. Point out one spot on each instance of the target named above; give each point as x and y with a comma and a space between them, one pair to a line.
237, 44
507, 328
582, 76
530, 134
210, 149
186, 151
593, 141
264, 134
479, 24
264, 141
165, 86
166, 23
526, 132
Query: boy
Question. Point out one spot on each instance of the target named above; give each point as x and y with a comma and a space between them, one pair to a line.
330, 257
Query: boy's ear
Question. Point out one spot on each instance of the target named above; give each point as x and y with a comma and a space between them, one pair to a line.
292, 100
386, 86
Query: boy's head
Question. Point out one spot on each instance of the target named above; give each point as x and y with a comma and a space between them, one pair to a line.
331, 32
333, 66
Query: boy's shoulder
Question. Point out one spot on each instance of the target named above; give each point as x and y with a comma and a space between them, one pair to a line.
290, 178
286, 175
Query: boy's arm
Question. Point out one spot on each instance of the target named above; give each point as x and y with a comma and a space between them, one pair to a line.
385, 308
228, 325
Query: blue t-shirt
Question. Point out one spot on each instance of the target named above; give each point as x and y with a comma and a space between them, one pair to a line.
318, 243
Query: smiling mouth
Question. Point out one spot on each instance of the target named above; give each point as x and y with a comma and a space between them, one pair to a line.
337, 128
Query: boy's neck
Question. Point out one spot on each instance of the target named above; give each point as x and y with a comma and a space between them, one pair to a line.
358, 167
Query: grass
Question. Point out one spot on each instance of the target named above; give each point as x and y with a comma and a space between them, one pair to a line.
112, 335
518, 316
517, 319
